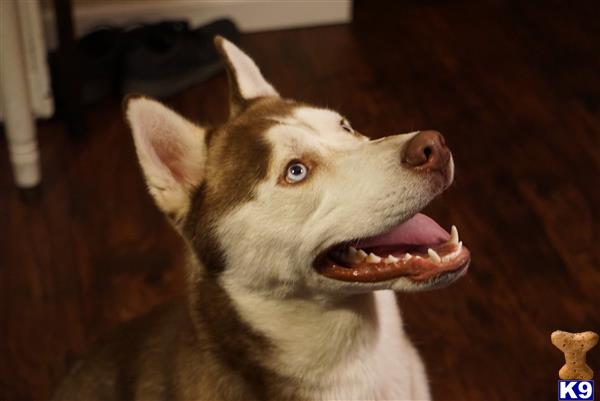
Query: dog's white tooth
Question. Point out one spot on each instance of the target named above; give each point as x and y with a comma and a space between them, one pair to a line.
448, 257
355, 273
390, 259
454, 235
361, 255
372, 258
434, 256
407, 256
454, 253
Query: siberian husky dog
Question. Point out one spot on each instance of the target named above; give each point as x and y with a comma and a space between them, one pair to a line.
300, 230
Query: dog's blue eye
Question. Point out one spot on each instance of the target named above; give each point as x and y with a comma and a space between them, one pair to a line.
296, 172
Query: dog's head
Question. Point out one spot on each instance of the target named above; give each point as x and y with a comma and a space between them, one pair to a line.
290, 199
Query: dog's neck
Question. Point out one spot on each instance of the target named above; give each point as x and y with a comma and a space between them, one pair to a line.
309, 340
312, 336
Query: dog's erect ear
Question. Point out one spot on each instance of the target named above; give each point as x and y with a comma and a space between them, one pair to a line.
171, 151
245, 80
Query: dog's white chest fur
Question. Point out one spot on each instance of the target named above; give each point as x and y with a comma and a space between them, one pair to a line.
392, 370
355, 352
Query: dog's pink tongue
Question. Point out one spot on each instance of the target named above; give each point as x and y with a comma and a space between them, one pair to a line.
419, 230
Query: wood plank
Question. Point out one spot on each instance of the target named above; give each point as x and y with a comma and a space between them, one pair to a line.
515, 88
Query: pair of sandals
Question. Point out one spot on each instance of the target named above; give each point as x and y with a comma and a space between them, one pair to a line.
158, 60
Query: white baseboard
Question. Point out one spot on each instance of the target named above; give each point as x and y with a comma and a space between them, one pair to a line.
249, 15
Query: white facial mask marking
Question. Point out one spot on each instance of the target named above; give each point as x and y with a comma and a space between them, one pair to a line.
360, 190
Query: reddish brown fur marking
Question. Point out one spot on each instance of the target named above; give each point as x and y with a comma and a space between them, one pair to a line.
238, 159
171, 354
238, 347
202, 348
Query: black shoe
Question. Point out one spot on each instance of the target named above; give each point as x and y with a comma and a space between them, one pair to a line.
99, 56
224, 27
165, 58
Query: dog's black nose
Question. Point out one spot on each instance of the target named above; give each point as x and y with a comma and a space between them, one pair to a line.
426, 151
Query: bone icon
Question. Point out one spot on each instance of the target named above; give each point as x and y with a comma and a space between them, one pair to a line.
575, 346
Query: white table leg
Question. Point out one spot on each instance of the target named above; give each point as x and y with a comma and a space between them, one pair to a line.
18, 117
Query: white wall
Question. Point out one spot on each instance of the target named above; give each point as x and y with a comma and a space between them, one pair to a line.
250, 15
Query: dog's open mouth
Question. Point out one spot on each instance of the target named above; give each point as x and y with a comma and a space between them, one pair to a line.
418, 249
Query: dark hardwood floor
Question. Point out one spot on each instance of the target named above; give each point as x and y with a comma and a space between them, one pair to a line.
514, 86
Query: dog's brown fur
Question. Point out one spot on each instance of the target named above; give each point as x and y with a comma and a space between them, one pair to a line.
258, 321
197, 345
168, 355
235, 150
